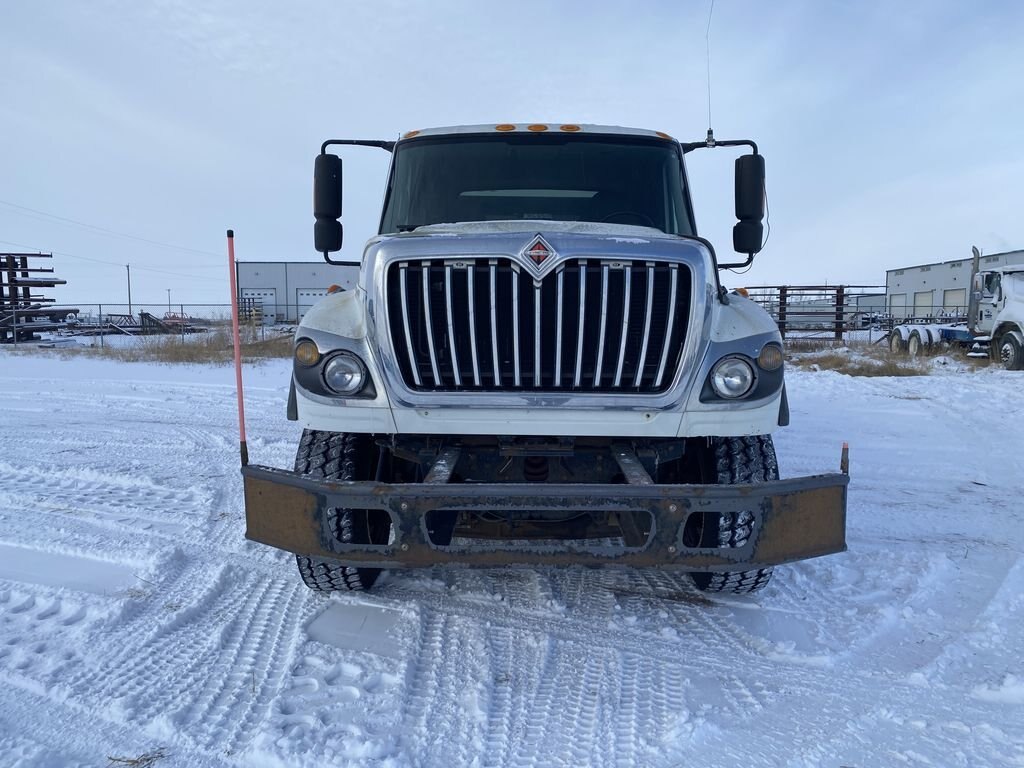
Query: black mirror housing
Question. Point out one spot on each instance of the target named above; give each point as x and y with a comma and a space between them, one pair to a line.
327, 235
327, 186
750, 187
747, 236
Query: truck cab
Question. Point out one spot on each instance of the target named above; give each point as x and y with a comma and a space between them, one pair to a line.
540, 366
999, 313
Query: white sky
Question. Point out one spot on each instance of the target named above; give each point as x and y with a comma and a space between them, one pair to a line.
892, 130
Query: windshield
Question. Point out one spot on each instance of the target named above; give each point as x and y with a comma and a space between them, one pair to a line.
616, 179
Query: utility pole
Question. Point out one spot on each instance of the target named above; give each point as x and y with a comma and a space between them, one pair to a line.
129, 268
168, 301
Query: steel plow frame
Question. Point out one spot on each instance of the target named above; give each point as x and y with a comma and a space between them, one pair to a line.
794, 519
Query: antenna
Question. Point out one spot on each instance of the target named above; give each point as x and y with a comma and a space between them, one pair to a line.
707, 42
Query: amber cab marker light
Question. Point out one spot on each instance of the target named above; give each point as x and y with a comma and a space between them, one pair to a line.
410, 134
537, 128
570, 128
333, 289
505, 127
742, 292
664, 135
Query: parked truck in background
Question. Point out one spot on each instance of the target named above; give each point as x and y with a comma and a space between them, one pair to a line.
539, 366
995, 320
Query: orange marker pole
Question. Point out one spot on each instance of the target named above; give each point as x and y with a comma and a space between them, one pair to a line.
238, 349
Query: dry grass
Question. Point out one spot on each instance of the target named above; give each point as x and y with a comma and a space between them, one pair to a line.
869, 361
211, 347
144, 760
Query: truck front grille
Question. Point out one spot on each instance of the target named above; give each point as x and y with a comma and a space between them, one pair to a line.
485, 324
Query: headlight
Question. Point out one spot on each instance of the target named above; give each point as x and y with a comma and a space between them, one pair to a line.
732, 377
345, 374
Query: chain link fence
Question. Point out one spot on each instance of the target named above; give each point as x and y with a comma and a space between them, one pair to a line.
152, 327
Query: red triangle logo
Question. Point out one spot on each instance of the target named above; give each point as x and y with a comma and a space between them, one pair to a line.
538, 251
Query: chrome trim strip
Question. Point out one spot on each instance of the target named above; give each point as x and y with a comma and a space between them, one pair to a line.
560, 278
579, 335
494, 322
472, 322
669, 319
604, 323
536, 335
647, 326
403, 290
430, 325
625, 325
451, 323
516, 373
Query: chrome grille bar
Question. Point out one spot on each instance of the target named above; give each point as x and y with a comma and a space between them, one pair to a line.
494, 323
648, 310
604, 323
536, 334
628, 277
560, 283
429, 325
404, 293
451, 324
669, 321
472, 323
517, 378
579, 328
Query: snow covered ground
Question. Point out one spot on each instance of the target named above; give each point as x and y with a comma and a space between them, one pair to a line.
134, 616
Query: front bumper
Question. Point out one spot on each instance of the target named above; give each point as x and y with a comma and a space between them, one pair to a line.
794, 519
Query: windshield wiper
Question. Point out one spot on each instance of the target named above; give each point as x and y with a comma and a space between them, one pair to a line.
409, 227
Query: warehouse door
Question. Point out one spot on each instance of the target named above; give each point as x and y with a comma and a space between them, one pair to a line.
306, 298
260, 304
924, 302
898, 305
954, 301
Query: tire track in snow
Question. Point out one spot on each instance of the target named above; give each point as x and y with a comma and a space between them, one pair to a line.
210, 671
70, 736
448, 666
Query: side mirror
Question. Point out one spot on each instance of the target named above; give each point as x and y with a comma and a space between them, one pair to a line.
327, 231
748, 234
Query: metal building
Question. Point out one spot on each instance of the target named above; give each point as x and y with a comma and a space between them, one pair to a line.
937, 290
285, 290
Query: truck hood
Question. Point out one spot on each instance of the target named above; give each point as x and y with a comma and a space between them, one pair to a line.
567, 240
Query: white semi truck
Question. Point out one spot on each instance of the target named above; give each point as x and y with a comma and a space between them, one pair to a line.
539, 366
995, 320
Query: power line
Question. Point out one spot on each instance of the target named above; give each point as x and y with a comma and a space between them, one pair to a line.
104, 230
111, 263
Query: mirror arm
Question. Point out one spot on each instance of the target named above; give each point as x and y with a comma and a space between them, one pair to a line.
711, 143
739, 264
345, 263
388, 145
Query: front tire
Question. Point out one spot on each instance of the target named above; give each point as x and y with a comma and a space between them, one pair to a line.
727, 461
341, 456
1011, 355
896, 344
